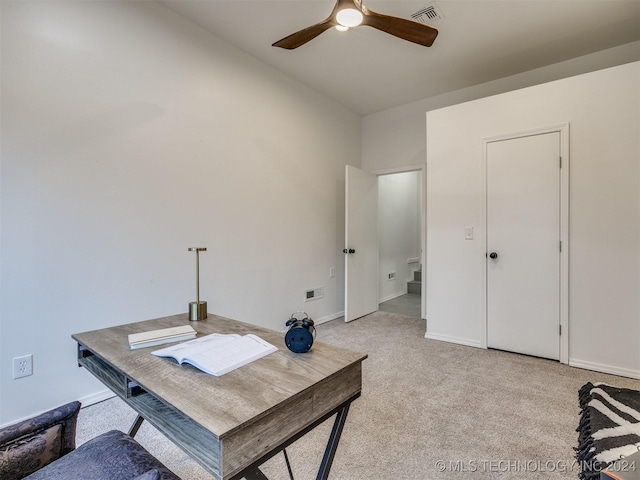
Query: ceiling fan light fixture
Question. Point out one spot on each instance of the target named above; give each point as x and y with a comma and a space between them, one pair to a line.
351, 13
349, 17
341, 28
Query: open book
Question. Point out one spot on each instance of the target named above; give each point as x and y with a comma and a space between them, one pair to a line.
217, 353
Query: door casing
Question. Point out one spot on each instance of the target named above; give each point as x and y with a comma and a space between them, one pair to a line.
563, 130
410, 168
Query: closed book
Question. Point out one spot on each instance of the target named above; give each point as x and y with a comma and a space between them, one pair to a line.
160, 337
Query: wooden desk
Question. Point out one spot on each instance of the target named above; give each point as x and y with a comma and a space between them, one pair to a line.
233, 423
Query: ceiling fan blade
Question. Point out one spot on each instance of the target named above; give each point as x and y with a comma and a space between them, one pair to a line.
303, 36
399, 27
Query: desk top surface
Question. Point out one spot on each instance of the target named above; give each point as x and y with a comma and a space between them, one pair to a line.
220, 404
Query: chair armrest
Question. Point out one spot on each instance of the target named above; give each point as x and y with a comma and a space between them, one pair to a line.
31, 444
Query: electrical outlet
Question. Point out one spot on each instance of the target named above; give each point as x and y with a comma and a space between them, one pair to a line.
23, 366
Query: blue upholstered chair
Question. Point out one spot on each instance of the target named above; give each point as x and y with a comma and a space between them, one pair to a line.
43, 448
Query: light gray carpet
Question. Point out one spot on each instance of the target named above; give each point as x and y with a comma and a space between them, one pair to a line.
429, 410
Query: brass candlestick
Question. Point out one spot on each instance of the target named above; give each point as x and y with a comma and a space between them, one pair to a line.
197, 309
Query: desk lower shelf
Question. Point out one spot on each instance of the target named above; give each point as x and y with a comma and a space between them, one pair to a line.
171, 422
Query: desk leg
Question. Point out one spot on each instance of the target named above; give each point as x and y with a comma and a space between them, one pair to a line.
286, 459
332, 444
136, 426
255, 475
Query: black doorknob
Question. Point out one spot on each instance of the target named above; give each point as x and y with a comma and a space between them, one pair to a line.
351, 250
344, 250
493, 255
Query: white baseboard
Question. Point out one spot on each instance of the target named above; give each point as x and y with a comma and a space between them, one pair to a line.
602, 368
447, 338
392, 296
328, 318
96, 398
320, 321
85, 401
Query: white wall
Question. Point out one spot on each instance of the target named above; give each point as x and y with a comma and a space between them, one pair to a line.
399, 222
128, 135
395, 138
603, 110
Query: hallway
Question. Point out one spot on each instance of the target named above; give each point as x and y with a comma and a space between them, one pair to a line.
407, 304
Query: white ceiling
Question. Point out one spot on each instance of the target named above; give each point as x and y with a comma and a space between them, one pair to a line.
367, 70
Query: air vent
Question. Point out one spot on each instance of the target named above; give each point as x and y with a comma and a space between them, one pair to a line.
428, 15
314, 294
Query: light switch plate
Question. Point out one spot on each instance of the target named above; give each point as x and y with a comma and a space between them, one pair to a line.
468, 233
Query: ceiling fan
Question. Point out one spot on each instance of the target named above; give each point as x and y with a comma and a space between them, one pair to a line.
351, 13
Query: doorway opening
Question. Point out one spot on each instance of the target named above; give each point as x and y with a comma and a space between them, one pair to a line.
363, 272
400, 216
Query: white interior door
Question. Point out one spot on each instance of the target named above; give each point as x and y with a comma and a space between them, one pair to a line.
523, 245
361, 243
